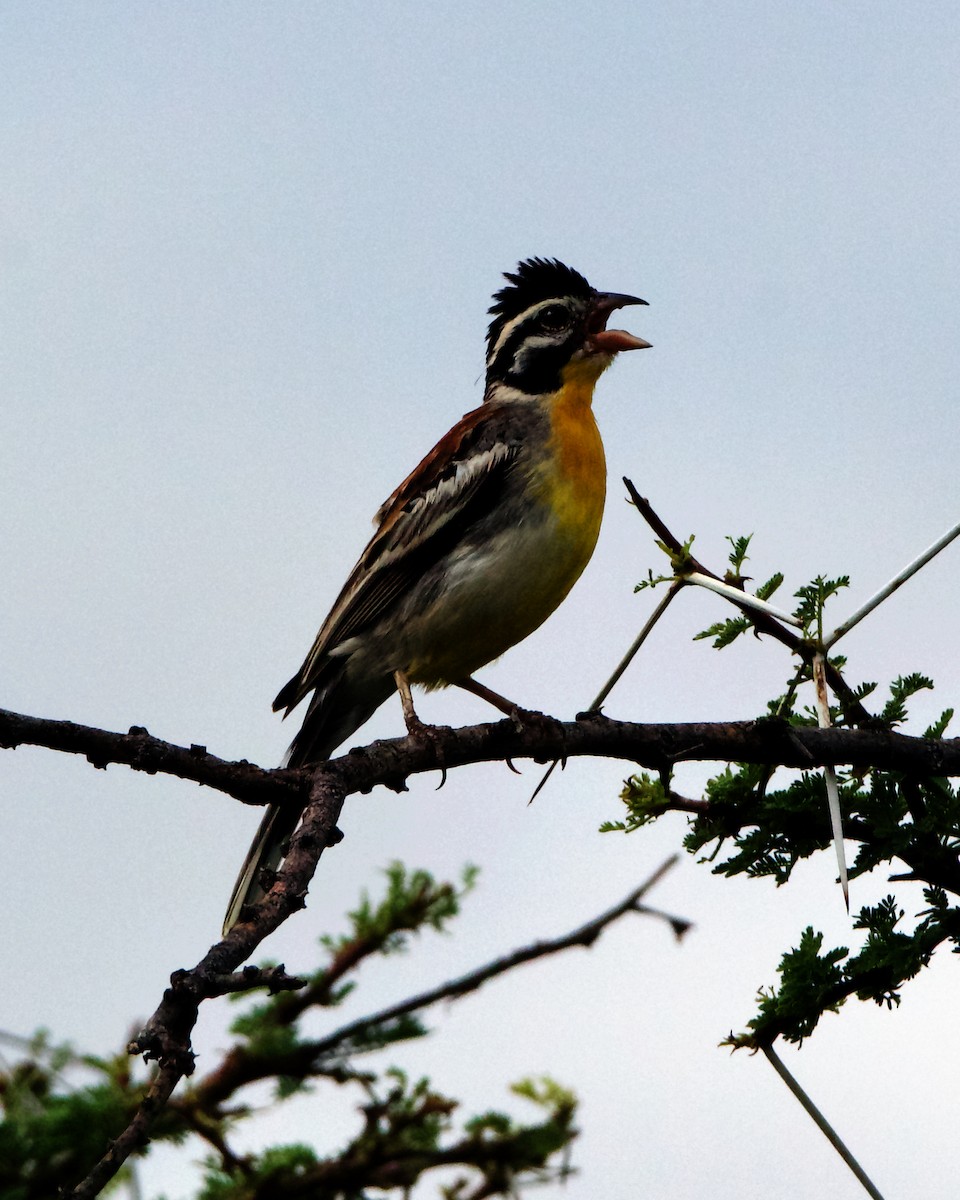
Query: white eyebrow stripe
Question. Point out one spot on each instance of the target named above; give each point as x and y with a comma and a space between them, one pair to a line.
518, 320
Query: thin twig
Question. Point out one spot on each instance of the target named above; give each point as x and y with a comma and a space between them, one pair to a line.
274, 979
767, 621
634, 648
584, 935
821, 1121
618, 671
134, 1137
239, 1070
677, 803
785, 702
889, 588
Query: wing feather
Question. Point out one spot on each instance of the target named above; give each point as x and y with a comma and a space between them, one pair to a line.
445, 491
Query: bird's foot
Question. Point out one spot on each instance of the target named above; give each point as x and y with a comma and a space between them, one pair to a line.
523, 718
429, 735
528, 718
432, 736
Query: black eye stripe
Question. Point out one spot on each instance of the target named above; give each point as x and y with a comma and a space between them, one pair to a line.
546, 320
510, 348
532, 356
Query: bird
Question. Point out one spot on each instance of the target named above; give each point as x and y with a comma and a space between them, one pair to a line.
477, 546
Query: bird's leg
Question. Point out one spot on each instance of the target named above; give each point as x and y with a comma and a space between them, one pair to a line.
520, 716
415, 727
507, 707
410, 719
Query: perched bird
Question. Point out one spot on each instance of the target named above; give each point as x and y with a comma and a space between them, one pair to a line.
479, 544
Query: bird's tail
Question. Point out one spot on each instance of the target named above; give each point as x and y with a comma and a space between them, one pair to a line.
337, 709
265, 854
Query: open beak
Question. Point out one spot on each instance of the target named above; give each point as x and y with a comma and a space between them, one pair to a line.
611, 341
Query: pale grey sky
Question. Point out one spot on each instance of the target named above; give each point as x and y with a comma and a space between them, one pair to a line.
247, 252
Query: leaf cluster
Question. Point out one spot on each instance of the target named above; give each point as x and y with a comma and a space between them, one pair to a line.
814, 981
406, 1131
60, 1109
50, 1128
760, 823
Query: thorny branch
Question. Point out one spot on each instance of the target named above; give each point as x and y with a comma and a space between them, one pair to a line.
142, 752
853, 711
166, 1037
388, 763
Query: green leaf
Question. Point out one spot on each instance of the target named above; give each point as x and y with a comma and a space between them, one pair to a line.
738, 554
813, 596
939, 727
724, 632
766, 590
809, 982
645, 799
902, 688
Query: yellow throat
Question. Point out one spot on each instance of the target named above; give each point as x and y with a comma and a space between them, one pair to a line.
576, 483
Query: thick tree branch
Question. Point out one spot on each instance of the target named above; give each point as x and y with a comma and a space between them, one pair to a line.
139, 750
766, 741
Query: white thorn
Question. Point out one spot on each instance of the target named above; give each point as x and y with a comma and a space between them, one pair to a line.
830, 775
744, 599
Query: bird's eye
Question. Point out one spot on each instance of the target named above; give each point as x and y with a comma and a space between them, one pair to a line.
554, 318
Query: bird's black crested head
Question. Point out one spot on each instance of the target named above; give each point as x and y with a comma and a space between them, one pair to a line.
535, 280
548, 316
